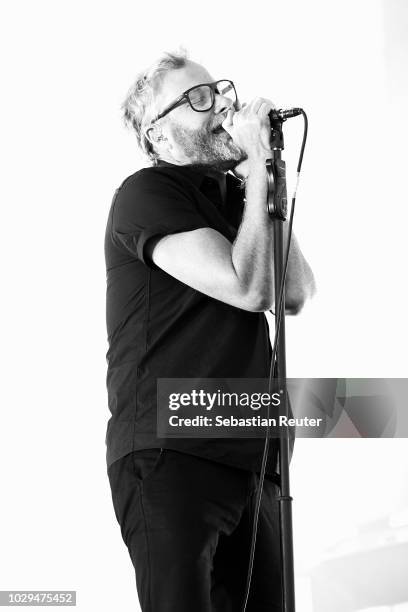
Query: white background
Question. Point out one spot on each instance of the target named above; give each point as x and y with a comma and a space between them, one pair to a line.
67, 67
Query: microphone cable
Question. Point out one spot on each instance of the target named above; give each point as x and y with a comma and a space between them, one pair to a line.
272, 370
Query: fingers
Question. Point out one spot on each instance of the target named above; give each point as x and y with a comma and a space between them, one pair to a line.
260, 106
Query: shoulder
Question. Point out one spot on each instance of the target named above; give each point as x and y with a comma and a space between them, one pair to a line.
152, 195
157, 179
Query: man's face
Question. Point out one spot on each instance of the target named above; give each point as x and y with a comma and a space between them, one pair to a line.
190, 134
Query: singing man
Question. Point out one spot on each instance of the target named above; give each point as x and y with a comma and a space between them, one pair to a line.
189, 258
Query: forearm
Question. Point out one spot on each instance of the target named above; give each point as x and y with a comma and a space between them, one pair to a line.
252, 251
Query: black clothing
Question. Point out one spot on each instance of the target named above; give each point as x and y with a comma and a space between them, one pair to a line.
187, 524
159, 327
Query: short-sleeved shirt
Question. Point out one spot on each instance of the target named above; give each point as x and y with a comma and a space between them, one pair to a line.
158, 327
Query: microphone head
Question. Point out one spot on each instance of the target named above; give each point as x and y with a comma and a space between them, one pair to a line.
282, 115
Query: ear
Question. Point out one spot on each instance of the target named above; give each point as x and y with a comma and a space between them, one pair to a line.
154, 134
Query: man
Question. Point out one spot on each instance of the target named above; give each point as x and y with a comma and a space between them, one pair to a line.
189, 277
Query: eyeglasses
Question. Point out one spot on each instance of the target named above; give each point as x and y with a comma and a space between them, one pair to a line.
202, 97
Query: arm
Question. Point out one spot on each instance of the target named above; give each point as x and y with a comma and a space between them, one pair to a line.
239, 274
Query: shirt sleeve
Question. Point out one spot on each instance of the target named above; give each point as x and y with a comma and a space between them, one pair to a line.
152, 204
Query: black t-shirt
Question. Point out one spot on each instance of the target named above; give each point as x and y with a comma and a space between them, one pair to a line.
158, 327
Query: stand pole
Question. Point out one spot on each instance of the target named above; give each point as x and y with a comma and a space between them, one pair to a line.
277, 206
285, 500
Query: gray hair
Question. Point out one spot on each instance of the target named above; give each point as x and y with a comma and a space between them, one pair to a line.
138, 105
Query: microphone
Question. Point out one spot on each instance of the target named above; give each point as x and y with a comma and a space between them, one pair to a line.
282, 115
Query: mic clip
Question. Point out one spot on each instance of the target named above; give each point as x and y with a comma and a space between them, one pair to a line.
277, 201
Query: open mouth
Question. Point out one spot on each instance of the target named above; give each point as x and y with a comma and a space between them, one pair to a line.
218, 130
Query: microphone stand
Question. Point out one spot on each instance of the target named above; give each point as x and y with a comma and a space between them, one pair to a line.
277, 208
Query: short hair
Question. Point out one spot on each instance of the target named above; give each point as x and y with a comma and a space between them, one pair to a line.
138, 104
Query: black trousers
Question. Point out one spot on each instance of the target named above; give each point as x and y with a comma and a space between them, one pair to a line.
187, 524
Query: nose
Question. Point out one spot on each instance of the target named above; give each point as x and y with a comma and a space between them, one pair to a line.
222, 103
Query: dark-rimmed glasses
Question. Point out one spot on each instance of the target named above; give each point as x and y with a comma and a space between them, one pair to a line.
201, 97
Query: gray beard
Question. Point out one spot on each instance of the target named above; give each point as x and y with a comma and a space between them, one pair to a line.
208, 150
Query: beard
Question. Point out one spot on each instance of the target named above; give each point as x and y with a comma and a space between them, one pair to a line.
208, 149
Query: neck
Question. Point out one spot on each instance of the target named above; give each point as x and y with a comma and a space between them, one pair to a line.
177, 161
